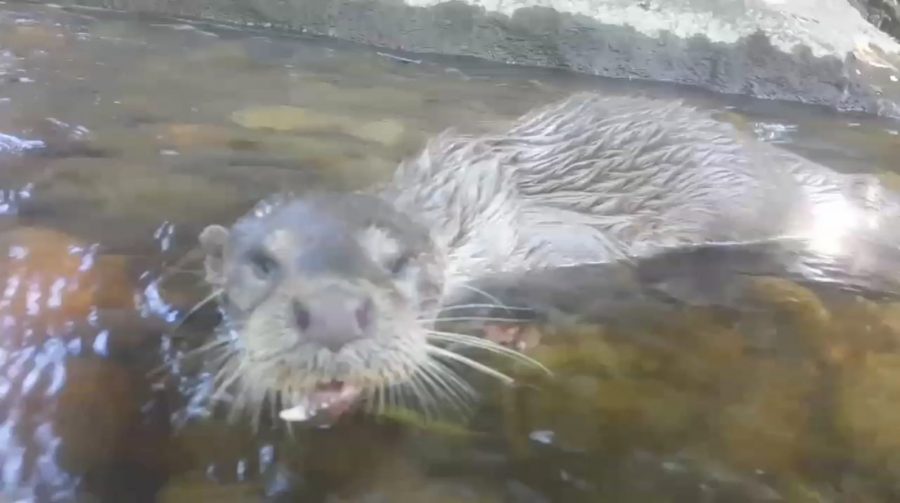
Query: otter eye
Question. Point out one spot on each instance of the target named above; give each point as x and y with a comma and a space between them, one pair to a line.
398, 264
263, 265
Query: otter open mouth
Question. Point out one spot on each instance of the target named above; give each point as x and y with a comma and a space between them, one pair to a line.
333, 399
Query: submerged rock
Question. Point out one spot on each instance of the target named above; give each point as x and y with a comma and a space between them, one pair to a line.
25, 39
288, 118
51, 279
387, 132
97, 411
868, 412
196, 488
283, 118
188, 135
777, 423
767, 426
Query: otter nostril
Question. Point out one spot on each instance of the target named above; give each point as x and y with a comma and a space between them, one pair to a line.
301, 315
364, 314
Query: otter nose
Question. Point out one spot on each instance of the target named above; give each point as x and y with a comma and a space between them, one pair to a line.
334, 317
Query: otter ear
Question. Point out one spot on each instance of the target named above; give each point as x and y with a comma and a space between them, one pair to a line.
213, 241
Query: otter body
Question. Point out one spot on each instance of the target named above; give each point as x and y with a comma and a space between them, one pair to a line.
594, 179
331, 296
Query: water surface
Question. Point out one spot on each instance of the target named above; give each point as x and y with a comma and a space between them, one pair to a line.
122, 138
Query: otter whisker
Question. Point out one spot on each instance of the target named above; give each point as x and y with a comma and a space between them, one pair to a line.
257, 414
440, 390
238, 398
235, 374
380, 399
398, 391
392, 402
174, 361
423, 396
485, 294
252, 400
473, 318
490, 346
198, 306
268, 357
373, 399
455, 307
368, 399
450, 355
174, 271
209, 346
223, 373
426, 382
194, 253
220, 359
273, 397
447, 392
451, 379
213, 356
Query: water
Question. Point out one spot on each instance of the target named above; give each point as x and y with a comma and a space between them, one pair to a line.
121, 139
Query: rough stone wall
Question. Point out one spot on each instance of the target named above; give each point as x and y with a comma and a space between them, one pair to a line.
883, 14
814, 51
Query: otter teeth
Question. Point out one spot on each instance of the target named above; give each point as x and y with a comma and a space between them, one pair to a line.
297, 413
316, 402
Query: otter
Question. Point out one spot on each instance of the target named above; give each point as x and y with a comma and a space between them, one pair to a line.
329, 297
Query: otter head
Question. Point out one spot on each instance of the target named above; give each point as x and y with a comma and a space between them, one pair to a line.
322, 299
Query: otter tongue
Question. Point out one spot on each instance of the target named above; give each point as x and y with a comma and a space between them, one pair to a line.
333, 398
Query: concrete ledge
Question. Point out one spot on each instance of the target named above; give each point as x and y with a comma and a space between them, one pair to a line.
813, 51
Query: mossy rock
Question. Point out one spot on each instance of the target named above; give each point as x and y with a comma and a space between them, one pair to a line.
301, 120
196, 488
868, 411
767, 426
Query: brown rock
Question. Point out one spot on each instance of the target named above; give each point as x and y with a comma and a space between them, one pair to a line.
97, 410
51, 278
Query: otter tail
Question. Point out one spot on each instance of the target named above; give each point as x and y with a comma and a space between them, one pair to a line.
714, 275
869, 267
851, 243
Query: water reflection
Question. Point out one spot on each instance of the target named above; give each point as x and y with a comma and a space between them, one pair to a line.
11, 144
790, 397
51, 292
774, 132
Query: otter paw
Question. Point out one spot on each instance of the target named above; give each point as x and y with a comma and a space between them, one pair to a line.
516, 336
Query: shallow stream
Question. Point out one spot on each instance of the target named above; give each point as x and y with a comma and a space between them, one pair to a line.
120, 138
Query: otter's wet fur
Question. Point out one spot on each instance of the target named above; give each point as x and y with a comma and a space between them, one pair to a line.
587, 180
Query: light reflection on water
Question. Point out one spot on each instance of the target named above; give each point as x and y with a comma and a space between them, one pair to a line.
34, 354
117, 145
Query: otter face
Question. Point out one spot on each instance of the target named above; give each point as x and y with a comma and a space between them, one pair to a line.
322, 299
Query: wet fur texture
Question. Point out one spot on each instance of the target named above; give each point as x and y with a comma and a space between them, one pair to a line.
593, 179
314, 245
587, 180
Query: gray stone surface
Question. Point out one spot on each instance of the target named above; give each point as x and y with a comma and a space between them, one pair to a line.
884, 14
814, 51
